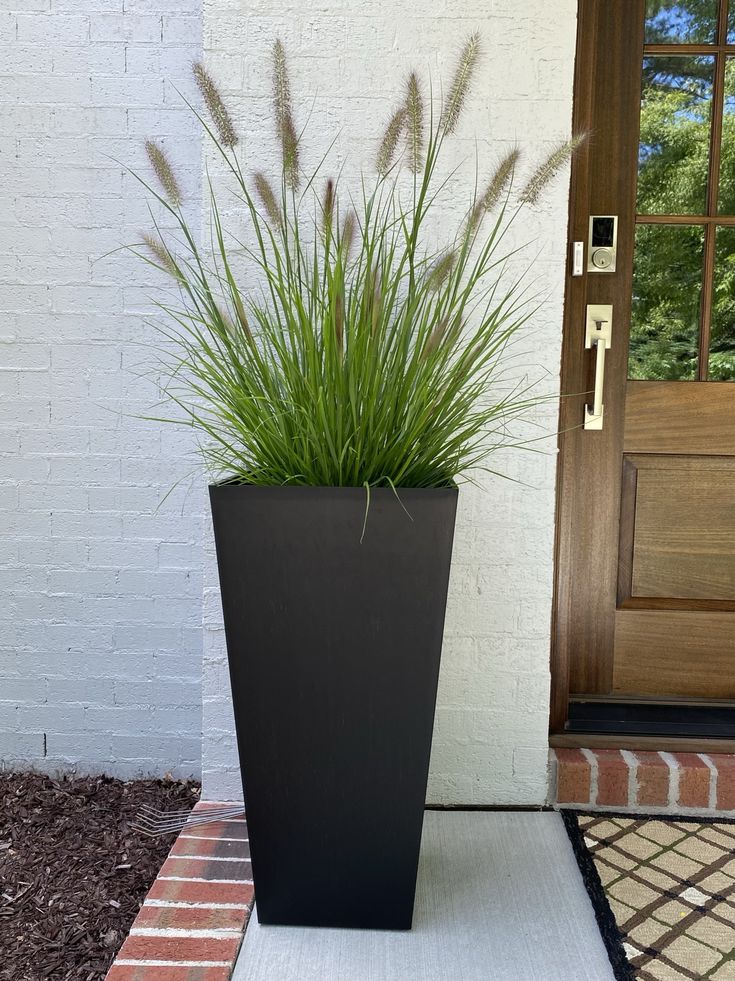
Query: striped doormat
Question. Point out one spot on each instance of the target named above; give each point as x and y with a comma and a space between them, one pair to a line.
663, 889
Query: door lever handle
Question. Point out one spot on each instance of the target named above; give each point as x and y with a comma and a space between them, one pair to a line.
598, 334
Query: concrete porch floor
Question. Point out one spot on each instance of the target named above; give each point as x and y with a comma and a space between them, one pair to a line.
499, 897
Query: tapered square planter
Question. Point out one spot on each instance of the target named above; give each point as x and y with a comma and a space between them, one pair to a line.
334, 646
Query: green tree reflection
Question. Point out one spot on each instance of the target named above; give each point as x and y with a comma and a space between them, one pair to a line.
673, 166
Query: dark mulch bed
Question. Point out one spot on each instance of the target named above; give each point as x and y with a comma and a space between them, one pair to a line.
72, 874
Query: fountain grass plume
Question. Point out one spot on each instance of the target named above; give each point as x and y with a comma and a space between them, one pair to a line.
285, 125
267, 197
496, 188
389, 144
461, 83
159, 254
164, 172
348, 233
215, 105
414, 122
550, 167
328, 203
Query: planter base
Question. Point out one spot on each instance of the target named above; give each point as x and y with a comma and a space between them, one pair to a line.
334, 649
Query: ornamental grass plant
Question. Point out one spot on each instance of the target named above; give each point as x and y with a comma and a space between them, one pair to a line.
356, 355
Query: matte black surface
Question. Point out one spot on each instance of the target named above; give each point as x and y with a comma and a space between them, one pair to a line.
334, 651
649, 718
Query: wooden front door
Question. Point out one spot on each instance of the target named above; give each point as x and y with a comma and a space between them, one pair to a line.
645, 590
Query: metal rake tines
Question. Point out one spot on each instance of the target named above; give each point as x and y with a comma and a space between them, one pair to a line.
157, 815
166, 825
153, 822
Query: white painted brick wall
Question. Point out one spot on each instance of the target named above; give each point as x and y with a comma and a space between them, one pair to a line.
348, 60
100, 578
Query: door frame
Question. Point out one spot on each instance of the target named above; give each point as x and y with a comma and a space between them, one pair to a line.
600, 184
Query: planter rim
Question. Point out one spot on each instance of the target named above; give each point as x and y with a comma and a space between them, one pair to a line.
302, 488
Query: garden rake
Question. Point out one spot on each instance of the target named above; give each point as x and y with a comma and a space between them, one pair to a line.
152, 822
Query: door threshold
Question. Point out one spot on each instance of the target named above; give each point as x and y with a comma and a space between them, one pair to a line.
667, 744
661, 719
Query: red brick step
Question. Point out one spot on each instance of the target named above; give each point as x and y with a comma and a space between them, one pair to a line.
651, 782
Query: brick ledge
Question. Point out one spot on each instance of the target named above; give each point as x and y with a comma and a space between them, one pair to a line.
192, 921
610, 779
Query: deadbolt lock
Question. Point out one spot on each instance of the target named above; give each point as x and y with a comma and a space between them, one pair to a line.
603, 243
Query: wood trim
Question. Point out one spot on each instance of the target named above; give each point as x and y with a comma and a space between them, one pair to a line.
627, 530
671, 603
582, 114
669, 461
670, 700
690, 49
685, 220
713, 193
666, 744
607, 91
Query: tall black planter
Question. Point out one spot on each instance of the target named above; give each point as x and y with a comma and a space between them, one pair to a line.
334, 649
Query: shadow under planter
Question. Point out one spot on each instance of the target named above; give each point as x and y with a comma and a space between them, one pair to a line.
334, 646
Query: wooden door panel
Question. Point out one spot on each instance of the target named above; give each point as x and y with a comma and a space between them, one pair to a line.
684, 534
645, 562
680, 417
680, 653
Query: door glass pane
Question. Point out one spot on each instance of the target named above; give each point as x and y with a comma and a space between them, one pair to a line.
673, 153
667, 282
722, 338
727, 152
682, 22
731, 24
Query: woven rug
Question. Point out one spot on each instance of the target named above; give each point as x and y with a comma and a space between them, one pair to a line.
663, 889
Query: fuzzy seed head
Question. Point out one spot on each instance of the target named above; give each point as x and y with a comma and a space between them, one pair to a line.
164, 172
285, 126
376, 307
435, 338
440, 271
339, 321
160, 253
267, 198
495, 188
461, 83
215, 106
328, 202
389, 143
348, 233
242, 319
546, 172
414, 122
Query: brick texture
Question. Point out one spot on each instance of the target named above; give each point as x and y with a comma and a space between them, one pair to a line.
201, 892
189, 930
574, 776
726, 784
179, 948
694, 780
190, 918
612, 777
652, 779
490, 739
101, 583
644, 781
128, 972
